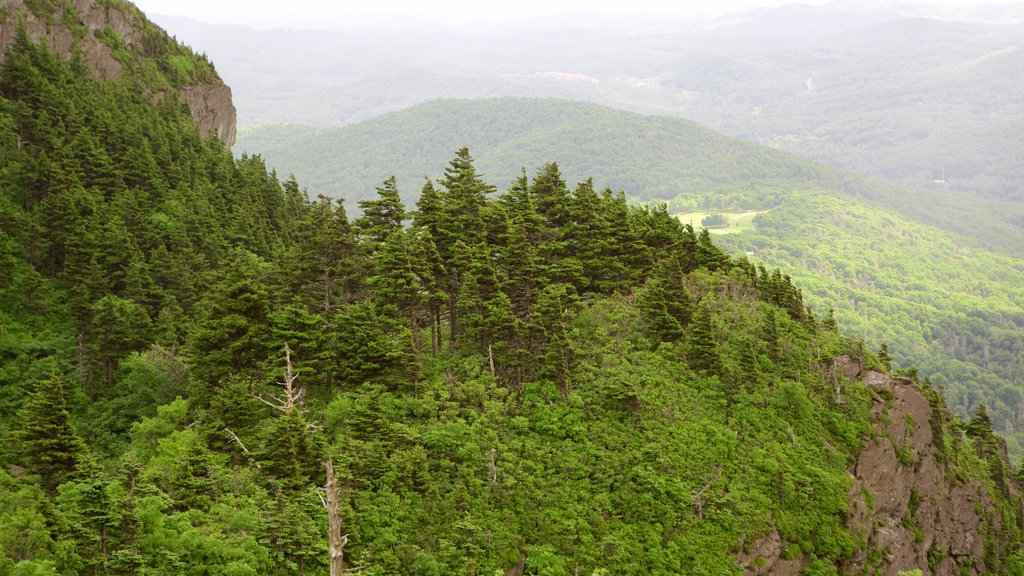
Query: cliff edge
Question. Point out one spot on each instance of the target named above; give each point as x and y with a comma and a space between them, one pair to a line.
113, 37
911, 504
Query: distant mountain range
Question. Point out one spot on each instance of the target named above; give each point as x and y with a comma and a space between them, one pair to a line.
871, 88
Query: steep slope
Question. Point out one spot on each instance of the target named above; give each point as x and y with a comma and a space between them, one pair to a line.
954, 310
548, 382
114, 38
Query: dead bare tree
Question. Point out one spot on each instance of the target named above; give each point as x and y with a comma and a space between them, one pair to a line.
333, 506
292, 396
330, 496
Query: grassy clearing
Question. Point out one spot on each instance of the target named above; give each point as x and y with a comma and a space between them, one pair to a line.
736, 222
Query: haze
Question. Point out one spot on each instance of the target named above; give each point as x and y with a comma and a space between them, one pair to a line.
325, 13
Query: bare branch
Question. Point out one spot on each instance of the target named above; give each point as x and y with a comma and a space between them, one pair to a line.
242, 446
292, 396
270, 403
237, 440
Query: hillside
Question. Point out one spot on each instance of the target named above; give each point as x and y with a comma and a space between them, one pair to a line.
205, 372
954, 312
113, 38
647, 157
952, 309
655, 158
905, 93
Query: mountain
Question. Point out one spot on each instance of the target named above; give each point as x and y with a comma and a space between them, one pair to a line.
202, 371
905, 93
952, 309
114, 38
648, 157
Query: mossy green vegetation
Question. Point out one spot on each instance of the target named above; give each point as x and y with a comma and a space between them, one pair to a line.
950, 310
541, 376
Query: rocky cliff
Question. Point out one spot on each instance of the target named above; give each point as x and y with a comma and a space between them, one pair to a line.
907, 503
99, 29
902, 501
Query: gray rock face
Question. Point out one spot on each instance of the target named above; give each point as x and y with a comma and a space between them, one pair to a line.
212, 108
901, 501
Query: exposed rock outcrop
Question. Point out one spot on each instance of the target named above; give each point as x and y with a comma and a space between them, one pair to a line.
210, 103
212, 110
903, 503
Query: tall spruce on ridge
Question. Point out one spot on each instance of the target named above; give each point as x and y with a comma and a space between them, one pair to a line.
559, 436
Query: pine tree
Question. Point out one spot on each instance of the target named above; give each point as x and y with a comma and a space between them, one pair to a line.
702, 348
324, 264
232, 335
653, 302
47, 439
883, 357
118, 327
461, 222
383, 216
708, 255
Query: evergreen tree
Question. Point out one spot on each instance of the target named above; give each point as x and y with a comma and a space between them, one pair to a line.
702, 347
653, 302
461, 222
232, 335
48, 442
381, 217
708, 255
118, 327
324, 263
883, 357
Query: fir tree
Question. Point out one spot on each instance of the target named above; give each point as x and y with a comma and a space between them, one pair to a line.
48, 442
383, 216
702, 348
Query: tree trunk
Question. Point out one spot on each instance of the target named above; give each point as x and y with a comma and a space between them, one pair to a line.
453, 302
336, 540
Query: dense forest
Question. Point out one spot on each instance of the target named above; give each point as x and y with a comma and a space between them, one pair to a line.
929, 289
198, 359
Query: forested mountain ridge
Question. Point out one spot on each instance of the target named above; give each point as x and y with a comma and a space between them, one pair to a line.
113, 37
894, 275
651, 158
904, 93
541, 380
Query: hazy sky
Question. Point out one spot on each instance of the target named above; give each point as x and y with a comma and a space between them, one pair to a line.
311, 11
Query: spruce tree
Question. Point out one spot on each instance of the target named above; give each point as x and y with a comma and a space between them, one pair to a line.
702, 348
49, 444
382, 216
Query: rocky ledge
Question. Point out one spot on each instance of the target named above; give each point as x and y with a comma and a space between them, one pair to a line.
211, 104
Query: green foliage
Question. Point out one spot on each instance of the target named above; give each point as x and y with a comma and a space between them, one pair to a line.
48, 442
611, 392
950, 310
665, 157
715, 220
